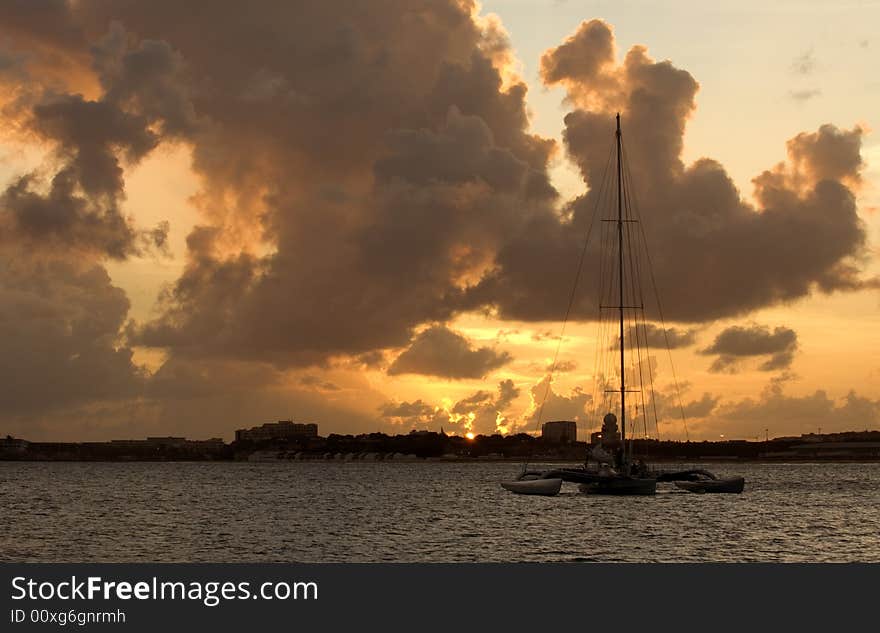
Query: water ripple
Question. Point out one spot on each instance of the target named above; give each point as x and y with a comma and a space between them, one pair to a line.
438, 512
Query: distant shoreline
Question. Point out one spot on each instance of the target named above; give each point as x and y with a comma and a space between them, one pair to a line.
458, 460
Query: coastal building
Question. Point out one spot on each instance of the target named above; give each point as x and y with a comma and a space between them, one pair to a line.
281, 430
13, 445
559, 432
152, 442
837, 450
215, 443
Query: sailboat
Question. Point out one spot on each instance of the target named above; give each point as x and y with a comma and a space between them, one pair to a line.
615, 472
624, 480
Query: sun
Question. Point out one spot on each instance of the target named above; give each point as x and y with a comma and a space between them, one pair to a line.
469, 435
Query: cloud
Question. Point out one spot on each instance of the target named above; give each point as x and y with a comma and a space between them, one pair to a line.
481, 412
372, 359
671, 337
80, 206
803, 96
803, 234
399, 145
439, 351
315, 382
439, 188
362, 175
785, 414
507, 392
804, 64
149, 78
668, 405
828, 155
657, 337
180, 379
60, 335
416, 414
584, 58
738, 342
549, 405
702, 407
562, 367
62, 332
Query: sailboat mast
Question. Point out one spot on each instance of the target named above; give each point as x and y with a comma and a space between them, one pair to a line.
620, 289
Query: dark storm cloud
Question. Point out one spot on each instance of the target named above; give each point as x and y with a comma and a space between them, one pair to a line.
439, 351
369, 171
183, 379
583, 57
381, 155
738, 342
829, 154
60, 344
62, 217
44, 20
310, 380
377, 153
148, 78
804, 234
45, 32
507, 392
87, 133
62, 340
369, 155
79, 207
657, 337
463, 150
671, 337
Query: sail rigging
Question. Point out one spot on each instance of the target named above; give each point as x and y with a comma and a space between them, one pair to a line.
623, 327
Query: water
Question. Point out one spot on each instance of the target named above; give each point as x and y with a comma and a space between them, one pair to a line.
420, 512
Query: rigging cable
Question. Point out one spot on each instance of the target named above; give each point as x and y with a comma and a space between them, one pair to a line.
663, 325
571, 297
632, 212
635, 288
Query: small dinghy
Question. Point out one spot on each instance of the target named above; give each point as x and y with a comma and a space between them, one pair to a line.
547, 487
732, 485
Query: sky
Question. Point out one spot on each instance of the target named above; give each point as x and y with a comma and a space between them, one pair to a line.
371, 218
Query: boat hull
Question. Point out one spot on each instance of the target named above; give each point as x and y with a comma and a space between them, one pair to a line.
620, 486
544, 487
733, 485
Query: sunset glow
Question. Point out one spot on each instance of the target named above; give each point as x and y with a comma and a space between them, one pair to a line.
382, 233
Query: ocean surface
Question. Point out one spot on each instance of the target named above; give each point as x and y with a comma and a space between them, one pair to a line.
423, 512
